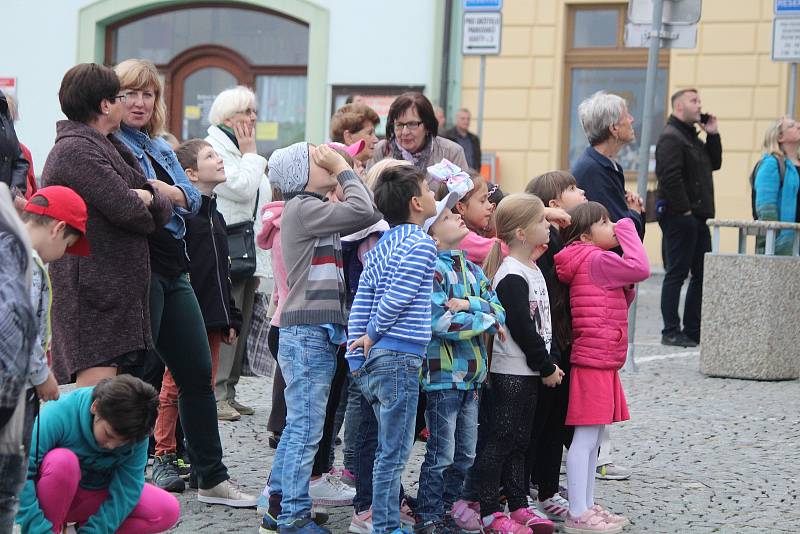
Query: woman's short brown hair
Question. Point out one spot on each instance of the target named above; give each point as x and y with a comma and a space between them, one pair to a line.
424, 109
351, 118
140, 75
84, 87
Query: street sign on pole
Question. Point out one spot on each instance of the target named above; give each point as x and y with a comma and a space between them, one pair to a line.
482, 33
483, 5
787, 7
786, 38
671, 35
681, 12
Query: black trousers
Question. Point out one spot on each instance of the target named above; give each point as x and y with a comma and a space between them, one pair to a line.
687, 239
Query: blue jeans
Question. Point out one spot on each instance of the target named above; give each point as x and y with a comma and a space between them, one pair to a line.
452, 419
390, 382
365, 445
308, 363
352, 422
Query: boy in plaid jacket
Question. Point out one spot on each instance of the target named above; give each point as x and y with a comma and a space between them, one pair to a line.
464, 307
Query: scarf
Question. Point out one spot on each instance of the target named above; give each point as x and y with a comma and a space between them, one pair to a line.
420, 159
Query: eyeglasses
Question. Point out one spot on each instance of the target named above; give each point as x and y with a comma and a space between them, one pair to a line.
121, 98
249, 111
145, 96
411, 125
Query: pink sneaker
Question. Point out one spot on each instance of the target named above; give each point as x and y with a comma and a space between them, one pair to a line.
538, 525
501, 524
590, 522
621, 520
347, 477
466, 516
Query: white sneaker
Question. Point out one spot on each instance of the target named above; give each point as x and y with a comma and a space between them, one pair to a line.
227, 493
556, 508
329, 490
361, 523
612, 472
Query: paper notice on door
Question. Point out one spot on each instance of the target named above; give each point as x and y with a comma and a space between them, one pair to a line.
191, 113
266, 131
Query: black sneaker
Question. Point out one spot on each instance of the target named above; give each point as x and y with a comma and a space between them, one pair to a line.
166, 475
677, 340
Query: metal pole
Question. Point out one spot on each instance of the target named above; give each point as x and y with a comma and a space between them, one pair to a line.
481, 89
644, 149
790, 107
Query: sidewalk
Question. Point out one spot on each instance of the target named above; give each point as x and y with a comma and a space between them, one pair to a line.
707, 455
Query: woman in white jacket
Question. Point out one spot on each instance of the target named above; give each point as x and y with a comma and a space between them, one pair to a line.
232, 134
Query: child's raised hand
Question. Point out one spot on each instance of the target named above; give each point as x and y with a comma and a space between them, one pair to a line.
329, 159
538, 251
48, 390
554, 378
557, 216
457, 305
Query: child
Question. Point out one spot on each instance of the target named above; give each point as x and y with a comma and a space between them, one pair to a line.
92, 444
601, 289
207, 246
390, 327
17, 338
454, 368
519, 363
313, 313
557, 189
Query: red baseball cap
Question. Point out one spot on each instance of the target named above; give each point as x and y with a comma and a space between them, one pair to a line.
64, 204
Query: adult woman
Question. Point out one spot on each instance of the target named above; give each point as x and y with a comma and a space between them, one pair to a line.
177, 323
101, 317
411, 135
777, 181
352, 123
232, 134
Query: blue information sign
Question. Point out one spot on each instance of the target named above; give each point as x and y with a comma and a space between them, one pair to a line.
787, 7
483, 5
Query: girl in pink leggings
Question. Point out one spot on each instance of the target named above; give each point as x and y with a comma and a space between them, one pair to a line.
87, 463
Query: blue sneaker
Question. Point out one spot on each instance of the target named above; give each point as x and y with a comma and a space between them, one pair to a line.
268, 525
305, 525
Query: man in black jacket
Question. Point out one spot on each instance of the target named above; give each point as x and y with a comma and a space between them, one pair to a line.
685, 200
469, 141
13, 165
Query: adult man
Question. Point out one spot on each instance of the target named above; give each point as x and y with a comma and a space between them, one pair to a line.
440, 117
469, 142
685, 199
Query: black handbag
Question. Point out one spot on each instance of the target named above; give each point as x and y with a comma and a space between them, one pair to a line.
242, 248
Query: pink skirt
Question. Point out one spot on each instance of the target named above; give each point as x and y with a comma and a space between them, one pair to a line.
595, 397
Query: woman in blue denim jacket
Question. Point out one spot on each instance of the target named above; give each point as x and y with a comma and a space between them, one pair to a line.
177, 324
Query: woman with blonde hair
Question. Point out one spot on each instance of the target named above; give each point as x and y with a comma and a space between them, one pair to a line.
777, 181
179, 333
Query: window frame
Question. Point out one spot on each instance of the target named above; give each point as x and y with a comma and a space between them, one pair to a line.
617, 57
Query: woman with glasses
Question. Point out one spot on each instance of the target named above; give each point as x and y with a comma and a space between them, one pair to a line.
777, 182
100, 317
232, 134
411, 135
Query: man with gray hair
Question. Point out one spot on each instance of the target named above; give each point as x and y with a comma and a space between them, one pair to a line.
609, 127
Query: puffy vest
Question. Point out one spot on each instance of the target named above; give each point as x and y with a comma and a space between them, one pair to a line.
599, 316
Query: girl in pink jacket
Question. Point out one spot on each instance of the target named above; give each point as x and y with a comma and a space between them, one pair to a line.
601, 287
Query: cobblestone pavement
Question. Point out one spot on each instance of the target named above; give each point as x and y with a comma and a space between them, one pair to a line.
707, 454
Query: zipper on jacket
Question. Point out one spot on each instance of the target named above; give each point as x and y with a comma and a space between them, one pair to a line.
216, 263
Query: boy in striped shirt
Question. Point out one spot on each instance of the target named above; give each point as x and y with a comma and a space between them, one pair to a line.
390, 327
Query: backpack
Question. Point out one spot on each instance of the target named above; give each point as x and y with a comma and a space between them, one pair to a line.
781, 172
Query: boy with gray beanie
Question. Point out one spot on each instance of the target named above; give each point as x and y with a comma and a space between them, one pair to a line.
313, 317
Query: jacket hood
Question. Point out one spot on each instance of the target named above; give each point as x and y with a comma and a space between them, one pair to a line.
271, 220
380, 226
570, 258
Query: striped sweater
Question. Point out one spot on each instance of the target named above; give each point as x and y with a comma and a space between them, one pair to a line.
456, 356
393, 301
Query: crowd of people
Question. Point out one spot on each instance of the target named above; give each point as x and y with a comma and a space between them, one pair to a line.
403, 296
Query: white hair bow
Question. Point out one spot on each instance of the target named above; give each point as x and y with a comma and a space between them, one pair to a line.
449, 173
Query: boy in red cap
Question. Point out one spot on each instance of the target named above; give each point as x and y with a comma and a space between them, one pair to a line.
55, 218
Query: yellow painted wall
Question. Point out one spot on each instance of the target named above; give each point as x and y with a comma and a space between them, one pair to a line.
730, 67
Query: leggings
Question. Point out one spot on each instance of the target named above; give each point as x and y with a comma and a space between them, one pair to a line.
502, 457
581, 465
62, 500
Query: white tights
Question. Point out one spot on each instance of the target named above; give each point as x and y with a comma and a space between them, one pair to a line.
581, 466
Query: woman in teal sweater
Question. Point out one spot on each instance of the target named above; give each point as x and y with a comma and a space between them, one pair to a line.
92, 444
777, 196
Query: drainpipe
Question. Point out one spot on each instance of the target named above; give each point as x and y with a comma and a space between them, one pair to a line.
444, 86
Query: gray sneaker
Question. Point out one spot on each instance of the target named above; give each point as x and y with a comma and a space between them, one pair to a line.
227, 493
241, 408
612, 472
226, 412
166, 475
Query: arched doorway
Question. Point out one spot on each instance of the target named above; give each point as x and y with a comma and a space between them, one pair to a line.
201, 49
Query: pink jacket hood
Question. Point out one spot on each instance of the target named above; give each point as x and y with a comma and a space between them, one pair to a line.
271, 220
568, 259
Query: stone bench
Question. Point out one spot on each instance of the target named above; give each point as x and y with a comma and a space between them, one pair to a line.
751, 307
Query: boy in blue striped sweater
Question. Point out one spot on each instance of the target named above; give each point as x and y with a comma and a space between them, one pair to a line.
390, 327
